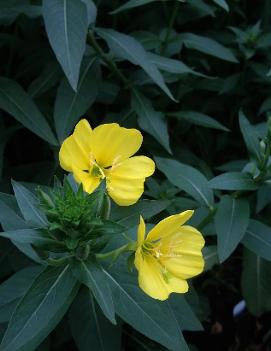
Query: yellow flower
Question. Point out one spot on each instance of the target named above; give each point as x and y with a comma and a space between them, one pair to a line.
105, 153
168, 256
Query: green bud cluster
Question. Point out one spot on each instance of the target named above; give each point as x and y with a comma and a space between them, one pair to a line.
76, 219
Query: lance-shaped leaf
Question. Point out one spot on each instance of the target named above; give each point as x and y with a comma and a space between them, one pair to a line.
150, 120
256, 283
94, 278
71, 105
258, 239
199, 119
89, 325
231, 221
250, 137
210, 257
12, 289
66, 23
186, 178
207, 46
15, 101
129, 216
40, 309
150, 317
233, 181
128, 48
29, 205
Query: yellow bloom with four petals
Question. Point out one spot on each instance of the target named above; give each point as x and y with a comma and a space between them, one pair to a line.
104, 152
168, 256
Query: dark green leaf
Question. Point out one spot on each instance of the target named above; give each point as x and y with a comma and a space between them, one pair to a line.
172, 66
184, 313
258, 239
40, 310
186, 178
250, 136
30, 236
152, 318
207, 46
223, 4
210, 257
150, 120
129, 216
233, 181
14, 288
231, 221
66, 23
46, 80
29, 205
91, 10
128, 48
199, 119
71, 105
94, 278
256, 283
89, 326
15, 101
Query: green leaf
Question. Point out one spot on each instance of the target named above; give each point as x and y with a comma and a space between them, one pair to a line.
231, 221
172, 66
265, 106
15, 101
150, 120
9, 10
66, 23
223, 4
29, 205
233, 181
31, 236
210, 257
91, 11
129, 216
186, 178
71, 105
12, 289
134, 3
130, 5
40, 310
89, 326
46, 80
94, 278
207, 46
258, 239
250, 137
152, 318
184, 313
128, 48
199, 119
10, 220
256, 283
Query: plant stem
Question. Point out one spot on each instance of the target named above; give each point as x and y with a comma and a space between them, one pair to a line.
110, 63
115, 253
207, 219
169, 28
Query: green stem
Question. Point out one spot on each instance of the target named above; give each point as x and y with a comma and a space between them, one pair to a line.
114, 254
110, 63
207, 219
169, 28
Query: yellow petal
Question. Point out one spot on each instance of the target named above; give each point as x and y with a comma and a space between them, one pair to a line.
141, 232
111, 143
89, 182
125, 181
169, 225
181, 253
152, 281
75, 150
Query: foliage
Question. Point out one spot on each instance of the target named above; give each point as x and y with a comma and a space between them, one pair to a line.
194, 77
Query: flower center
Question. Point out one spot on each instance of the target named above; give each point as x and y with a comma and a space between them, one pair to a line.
95, 170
